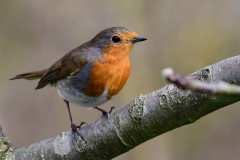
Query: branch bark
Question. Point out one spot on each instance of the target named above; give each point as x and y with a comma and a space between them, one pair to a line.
6, 149
146, 117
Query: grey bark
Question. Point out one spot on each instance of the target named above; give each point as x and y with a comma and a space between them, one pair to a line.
146, 117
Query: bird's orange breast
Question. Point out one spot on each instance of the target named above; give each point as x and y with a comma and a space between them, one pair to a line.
110, 74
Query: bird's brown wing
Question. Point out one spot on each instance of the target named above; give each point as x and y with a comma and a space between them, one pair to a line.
69, 65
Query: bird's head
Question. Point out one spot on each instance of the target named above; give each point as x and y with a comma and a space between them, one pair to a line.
116, 41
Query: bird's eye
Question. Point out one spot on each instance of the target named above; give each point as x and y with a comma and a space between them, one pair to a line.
116, 39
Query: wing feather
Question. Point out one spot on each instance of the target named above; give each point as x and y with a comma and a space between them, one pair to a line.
69, 65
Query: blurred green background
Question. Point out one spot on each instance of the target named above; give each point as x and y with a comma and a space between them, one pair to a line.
185, 35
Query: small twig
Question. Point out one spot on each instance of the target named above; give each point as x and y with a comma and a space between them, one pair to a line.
196, 85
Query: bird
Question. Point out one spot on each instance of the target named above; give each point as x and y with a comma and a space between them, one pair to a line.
91, 74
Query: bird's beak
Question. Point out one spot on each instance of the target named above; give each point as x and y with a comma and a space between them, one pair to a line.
138, 39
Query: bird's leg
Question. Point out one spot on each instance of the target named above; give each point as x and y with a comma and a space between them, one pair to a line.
74, 127
104, 113
69, 111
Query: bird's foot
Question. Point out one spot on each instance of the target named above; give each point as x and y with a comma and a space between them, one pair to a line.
105, 113
75, 130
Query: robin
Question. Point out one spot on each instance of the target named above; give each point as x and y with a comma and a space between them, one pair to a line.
92, 73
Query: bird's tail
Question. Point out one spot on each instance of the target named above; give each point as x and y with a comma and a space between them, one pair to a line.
30, 75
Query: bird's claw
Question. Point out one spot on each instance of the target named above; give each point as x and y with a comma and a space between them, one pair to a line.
75, 131
106, 114
111, 109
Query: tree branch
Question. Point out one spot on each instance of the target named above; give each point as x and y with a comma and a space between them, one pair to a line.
146, 117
